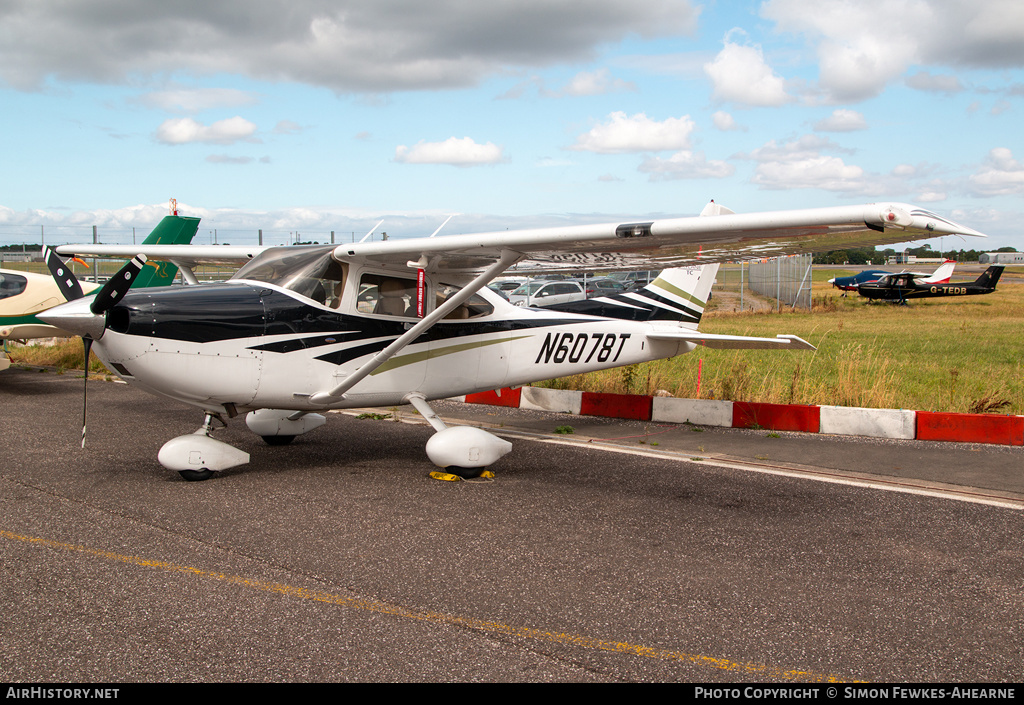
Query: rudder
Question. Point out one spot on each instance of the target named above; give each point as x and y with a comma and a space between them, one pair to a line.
990, 276
676, 295
172, 230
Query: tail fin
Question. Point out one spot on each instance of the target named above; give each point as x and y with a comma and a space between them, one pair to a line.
990, 276
942, 274
677, 295
172, 230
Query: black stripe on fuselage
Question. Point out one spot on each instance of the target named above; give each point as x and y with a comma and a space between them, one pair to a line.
216, 312
631, 309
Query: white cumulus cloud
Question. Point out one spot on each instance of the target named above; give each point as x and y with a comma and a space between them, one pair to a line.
862, 46
800, 164
187, 130
596, 83
842, 121
725, 122
454, 151
623, 134
739, 74
686, 165
1000, 175
823, 172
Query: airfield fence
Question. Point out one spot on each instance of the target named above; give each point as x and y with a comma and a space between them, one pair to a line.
777, 283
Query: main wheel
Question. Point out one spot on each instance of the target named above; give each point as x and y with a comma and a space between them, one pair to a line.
196, 475
278, 440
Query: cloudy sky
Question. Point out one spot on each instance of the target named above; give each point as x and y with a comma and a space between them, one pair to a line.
316, 115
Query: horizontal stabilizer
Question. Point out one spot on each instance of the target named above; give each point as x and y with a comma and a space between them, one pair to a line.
729, 342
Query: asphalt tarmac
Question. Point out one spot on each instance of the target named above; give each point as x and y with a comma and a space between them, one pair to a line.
337, 558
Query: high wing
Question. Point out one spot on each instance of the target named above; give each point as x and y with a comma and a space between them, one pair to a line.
640, 244
663, 244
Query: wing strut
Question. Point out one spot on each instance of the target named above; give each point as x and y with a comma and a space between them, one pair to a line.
335, 395
186, 272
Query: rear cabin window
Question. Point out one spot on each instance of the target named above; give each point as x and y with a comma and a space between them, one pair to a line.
386, 296
395, 296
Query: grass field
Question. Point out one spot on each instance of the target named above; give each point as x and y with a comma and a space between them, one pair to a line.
956, 354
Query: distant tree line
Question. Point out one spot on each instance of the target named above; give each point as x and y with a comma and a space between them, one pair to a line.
863, 255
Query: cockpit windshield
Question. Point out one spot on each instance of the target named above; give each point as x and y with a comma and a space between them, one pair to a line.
311, 272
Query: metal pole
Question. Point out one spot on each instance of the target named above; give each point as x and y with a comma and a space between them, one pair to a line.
741, 287
778, 284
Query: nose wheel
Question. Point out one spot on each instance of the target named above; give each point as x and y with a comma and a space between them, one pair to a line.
196, 475
197, 456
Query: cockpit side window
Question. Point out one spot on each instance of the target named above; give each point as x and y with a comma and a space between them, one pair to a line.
11, 284
396, 296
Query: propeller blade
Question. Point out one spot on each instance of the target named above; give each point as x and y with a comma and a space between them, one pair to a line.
85, 385
66, 280
118, 285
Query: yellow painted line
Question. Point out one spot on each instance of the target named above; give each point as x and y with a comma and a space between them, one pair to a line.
441, 618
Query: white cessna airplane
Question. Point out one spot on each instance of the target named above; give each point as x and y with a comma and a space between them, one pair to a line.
298, 330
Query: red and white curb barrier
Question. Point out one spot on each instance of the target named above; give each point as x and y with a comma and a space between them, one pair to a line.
837, 420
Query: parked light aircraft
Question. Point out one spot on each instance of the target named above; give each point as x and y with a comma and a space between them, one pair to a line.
940, 276
24, 295
900, 287
302, 329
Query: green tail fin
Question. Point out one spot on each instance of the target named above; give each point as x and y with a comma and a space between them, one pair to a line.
172, 230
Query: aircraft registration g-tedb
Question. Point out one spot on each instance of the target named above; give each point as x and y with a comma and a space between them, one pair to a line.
940, 276
302, 329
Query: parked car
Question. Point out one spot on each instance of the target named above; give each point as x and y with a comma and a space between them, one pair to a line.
604, 286
547, 293
508, 284
635, 281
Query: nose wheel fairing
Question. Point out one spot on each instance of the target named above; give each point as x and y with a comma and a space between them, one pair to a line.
196, 456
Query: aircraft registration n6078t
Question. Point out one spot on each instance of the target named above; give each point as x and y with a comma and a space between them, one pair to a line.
302, 329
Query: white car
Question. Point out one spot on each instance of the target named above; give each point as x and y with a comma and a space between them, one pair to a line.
547, 293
